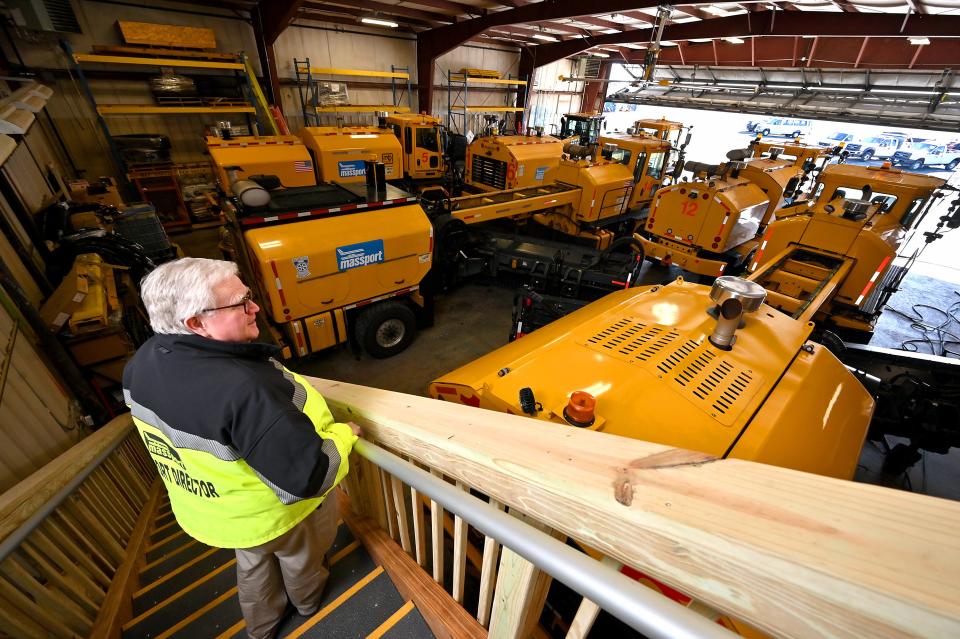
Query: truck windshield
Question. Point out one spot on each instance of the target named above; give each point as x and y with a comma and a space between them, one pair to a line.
427, 138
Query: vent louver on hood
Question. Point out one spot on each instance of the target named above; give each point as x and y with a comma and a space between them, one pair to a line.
708, 377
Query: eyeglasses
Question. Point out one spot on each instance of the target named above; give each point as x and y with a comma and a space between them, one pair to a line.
246, 302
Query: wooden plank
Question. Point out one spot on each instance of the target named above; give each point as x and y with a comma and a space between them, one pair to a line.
488, 574
521, 591
59, 579
117, 607
419, 526
389, 504
459, 553
445, 620
35, 612
19, 503
52, 559
583, 620
403, 521
78, 549
166, 35
362, 483
436, 534
789, 552
50, 599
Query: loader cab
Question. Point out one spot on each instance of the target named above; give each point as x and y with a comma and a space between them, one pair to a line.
585, 125
421, 143
662, 129
648, 159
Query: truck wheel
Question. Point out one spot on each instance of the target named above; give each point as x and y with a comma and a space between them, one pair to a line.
795, 134
867, 155
385, 329
916, 165
765, 132
953, 164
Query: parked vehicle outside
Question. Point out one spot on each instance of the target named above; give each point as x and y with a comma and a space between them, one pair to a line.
790, 127
836, 139
917, 155
873, 147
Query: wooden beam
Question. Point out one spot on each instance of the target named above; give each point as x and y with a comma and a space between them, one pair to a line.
792, 553
116, 608
277, 16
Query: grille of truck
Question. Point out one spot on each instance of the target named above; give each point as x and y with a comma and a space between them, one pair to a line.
488, 171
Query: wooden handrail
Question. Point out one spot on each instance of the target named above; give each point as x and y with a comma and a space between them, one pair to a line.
23, 501
792, 553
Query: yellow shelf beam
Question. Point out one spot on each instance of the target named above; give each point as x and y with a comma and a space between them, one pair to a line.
148, 109
472, 80
361, 108
359, 72
156, 62
487, 109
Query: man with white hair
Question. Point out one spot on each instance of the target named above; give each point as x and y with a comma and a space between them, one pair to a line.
248, 450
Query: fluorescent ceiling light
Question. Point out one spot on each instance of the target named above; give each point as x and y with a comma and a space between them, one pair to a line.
598, 55
667, 43
913, 91
809, 36
712, 10
734, 40
919, 41
379, 23
541, 36
701, 39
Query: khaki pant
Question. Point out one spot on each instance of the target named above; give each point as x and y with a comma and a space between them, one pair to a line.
292, 565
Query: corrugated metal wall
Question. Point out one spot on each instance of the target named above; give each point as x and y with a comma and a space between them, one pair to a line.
38, 419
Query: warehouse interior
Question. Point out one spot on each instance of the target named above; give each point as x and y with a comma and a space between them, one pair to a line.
649, 314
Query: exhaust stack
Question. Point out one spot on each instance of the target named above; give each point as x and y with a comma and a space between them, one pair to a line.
735, 297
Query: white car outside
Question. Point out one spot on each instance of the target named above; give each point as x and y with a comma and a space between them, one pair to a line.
790, 127
917, 155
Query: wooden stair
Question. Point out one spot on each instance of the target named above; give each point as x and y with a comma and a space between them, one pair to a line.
187, 589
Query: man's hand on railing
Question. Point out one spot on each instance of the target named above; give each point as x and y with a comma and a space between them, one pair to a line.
356, 429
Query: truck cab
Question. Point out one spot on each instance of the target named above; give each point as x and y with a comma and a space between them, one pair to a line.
421, 140
587, 126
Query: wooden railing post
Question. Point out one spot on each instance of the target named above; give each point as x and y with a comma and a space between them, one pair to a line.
521, 591
362, 483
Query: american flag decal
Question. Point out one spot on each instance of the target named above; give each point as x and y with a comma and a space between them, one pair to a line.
302, 166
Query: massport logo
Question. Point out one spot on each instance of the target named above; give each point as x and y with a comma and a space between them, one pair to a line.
362, 254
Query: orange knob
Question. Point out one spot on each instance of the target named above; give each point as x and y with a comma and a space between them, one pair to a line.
579, 410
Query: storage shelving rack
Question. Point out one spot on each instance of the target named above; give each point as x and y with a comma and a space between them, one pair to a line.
307, 76
79, 59
458, 93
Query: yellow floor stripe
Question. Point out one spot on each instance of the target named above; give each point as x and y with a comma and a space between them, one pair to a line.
199, 613
177, 595
232, 630
392, 621
165, 540
164, 527
343, 552
314, 620
168, 556
176, 572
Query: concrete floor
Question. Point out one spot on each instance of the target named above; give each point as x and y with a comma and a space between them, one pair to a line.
475, 319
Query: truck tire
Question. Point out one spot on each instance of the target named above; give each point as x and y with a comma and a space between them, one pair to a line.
953, 164
867, 155
916, 165
796, 134
765, 132
385, 329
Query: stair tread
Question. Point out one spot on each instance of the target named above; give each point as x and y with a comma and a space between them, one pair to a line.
183, 606
170, 587
168, 547
213, 622
172, 563
343, 539
163, 520
358, 616
411, 626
